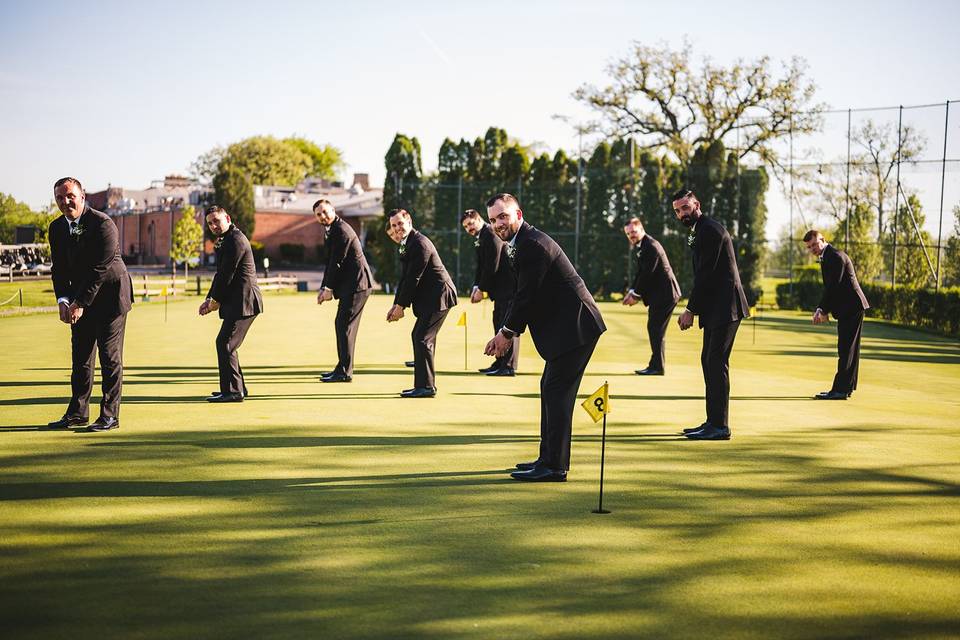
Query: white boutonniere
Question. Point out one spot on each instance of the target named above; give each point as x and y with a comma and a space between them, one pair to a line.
476, 242
639, 251
403, 249
691, 238
218, 243
76, 230
511, 252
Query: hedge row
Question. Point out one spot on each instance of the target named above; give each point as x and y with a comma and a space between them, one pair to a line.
922, 308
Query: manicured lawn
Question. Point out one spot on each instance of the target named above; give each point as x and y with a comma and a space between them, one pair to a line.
343, 511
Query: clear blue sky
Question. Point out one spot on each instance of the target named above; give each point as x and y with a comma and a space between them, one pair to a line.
125, 92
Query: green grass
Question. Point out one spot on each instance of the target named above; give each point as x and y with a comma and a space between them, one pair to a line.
343, 511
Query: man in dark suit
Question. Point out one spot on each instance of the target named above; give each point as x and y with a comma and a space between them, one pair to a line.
565, 324
718, 299
495, 278
842, 297
396, 240
426, 286
656, 286
94, 294
347, 277
234, 292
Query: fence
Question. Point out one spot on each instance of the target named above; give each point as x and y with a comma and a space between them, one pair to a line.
145, 286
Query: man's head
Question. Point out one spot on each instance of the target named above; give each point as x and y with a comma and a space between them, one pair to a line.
218, 220
505, 215
70, 197
634, 230
472, 221
815, 242
401, 223
686, 207
325, 212
392, 235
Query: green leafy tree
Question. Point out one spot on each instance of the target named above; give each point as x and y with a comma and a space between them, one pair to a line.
266, 160
233, 190
601, 264
950, 258
748, 233
404, 170
327, 161
912, 266
14, 213
863, 251
187, 240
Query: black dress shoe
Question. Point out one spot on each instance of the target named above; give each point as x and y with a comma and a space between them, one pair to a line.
505, 371
220, 393
104, 424
649, 372
540, 474
327, 374
410, 363
832, 395
337, 377
492, 367
692, 429
68, 421
419, 392
226, 397
710, 432
527, 466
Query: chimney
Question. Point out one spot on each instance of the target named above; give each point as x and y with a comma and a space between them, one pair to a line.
362, 179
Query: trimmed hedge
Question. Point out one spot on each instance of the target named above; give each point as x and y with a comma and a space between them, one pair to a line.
921, 308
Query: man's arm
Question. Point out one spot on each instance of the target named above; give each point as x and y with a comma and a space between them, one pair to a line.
337, 254
416, 264
532, 266
709, 247
832, 271
227, 263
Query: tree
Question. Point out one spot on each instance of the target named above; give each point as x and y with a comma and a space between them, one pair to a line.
327, 160
657, 94
14, 213
187, 240
233, 190
401, 187
863, 251
266, 160
950, 260
912, 262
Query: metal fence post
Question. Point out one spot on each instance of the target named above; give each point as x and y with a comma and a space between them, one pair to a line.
943, 177
896, 205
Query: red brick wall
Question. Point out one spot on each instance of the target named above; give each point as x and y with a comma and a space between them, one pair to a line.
147, 235
274, 228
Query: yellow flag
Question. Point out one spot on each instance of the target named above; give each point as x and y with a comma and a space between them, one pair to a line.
163, 292
753, 311
598, 404
462, 322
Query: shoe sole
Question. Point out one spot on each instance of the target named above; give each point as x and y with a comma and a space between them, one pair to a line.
561, 479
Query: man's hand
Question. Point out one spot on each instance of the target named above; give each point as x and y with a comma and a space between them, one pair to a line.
476, 296
685, 321
819, 317
498, 345
74, 312
64, 308
395, 313
325, 295
630, 300
208, 305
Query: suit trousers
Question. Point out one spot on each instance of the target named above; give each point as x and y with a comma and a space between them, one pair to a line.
512, 356
92, 334
424, 337
231, 336
658, 319
346, 324
849, 328
715, 361
558, 395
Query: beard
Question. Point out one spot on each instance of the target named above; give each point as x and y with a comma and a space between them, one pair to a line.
688, 221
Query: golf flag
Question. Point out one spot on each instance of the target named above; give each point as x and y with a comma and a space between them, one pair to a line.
598, 404
462, 322
163, 292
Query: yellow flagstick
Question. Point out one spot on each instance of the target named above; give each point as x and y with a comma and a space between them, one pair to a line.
164, 294
462, 322
597, 405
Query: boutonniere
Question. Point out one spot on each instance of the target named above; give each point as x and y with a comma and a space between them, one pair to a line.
691, 238
639, 251
76, 230
403, 249
476, 241
511, 251
218, 243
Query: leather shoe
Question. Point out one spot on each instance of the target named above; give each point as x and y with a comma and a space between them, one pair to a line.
337, 377
540, 474
649, 372
68, 421
832, 395
104, 424
692, 429
505, 371
492, 367
410, 363
220, 393
419, 392
710, 432
226, 397
527, 466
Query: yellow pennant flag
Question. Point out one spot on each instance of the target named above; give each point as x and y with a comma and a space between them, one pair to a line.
598, 404
462, 322
163, 292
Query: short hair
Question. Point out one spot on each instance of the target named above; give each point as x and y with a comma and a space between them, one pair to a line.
506, 197
680, 194
321, 202
634, 221
399, 212
62, 181
214, 209
811, 235
469, 213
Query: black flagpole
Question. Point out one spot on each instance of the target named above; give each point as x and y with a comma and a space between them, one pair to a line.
603, 452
